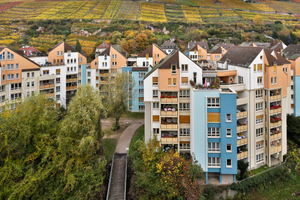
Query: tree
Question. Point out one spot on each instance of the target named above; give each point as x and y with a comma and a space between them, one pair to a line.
274, 35
293, 128
117, 95
243, 167
258, 20
25, 40
78, 46
142, 41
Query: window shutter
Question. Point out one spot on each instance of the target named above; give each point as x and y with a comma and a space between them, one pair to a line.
155, 118
169, 81
57, 70
184, 119
155, 79
213, 117
184, 79
254, 67
259, 116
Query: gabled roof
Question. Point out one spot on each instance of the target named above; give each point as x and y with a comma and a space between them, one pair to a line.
168, 45
247, 44
202, 44
216, 49
105, 52
27, 50
241, 56
262, 45
292, 52
1, 48
226, 46
67, 48
120, 50
277, 47
281, 59
271, 59
104, 45
149, 50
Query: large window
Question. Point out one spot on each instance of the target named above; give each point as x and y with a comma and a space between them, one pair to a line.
184, 94
259, 145
259, 132
141, 83
213, 102
141, 91
214, 146
155, 94
155, 80
184, 145
213, 132
259, 106
184, 132
214, 162
259, 158
259, 93
259, 119
259, 80
228, 163
184, 106
10, 56
184, 68
142, 75
228, 133
173, 69
228, 117
156, 130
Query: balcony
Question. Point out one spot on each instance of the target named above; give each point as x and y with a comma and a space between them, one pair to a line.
169, 140
274, 98
274, 136
272, 125
275, 149
275, 111
242, 155
46, 86
241, 142
242, 128
185, 138
71, 80
169, 100
168, 113
241, 101
241, 115
103, 74
50, 95
72, 87
235, 87
47, 77
169, 126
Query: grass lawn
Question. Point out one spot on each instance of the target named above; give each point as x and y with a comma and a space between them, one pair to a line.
258, 170
135, 115
109, 145
138, 135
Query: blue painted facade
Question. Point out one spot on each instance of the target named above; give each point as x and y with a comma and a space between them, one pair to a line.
297, 95
83, 74
200, 129
135, 97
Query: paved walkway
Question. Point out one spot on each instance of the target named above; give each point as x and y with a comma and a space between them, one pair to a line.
125, 139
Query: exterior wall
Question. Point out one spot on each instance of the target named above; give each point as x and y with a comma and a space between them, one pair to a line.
214, 57
31, 79
157, 51
121, 60
164, 75
41, 60
148, 121
297, 95
52, 55
140, 61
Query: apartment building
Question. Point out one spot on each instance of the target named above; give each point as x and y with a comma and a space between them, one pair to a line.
60, 72
140, 66
202, 44
196, 53
169, 46
292, 54
218, 51
273, 45
261, 79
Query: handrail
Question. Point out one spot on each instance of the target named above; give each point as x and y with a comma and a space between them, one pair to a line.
111, 170
125, 178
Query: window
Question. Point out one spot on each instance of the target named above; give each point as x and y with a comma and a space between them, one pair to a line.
174, 81
28, 94
213, 132
184, 68
155, 93
184, 132
275, 68
213, 146
17, 76
173, 69
271, 80
292, 77
169, 82
141, 107
141, 91
10, 56
2, 56
10, 77
3, 66
45, 72
15, 86
259, 80
259, 145
17, 66
228, 133
2, 88
228, 163
10, 66
241, 79
57, 97
89, 74
141, 83
61, 53
184, 93
142, 75
292, 87
184, 146
292, 96
184, 80
259, 93
213, 102
275, 80
3, 77
141, 99
32, 84
259, 158
155, 105
265, 68
57, 80
217, 57
259, 106
259, 67
157, 55
155, 80
229, 148
254, 67
32, 92
184, 106
57, 53
214, 162
32, 74
156, 130
259, 132
259, 119
113, 56
28, 84
228, 117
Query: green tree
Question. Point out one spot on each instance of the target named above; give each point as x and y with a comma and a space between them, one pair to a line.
78, 46
117, 95
274, 35
25, 40
293, 128
243, 167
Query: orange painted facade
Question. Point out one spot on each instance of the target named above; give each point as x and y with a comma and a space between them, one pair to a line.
163, 78
121, 60
18, 59
202, 53
57, 54
84, 60
158, 55
294, 67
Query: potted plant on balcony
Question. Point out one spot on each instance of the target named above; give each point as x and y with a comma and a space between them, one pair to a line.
165, 109
192, 83
162, 96
169, 96
173, 110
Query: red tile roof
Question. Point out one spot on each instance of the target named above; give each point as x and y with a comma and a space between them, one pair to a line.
27, 50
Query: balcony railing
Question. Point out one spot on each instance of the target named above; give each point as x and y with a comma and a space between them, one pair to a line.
168, 113
242, 128
274, 98
103, 74
275, 149
275, 111
242, 115
169, 140
241, 142
71, 87
275, 124
72, 80
168, 100
50, 95
242, 155
274, 137
46, 86
241, 101
169, 126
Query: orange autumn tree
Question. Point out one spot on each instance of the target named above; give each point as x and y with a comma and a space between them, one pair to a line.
163, 175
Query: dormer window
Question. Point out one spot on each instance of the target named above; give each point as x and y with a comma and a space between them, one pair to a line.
105, 57
173, 69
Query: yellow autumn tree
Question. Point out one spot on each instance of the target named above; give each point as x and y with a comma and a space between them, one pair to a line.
258, 20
